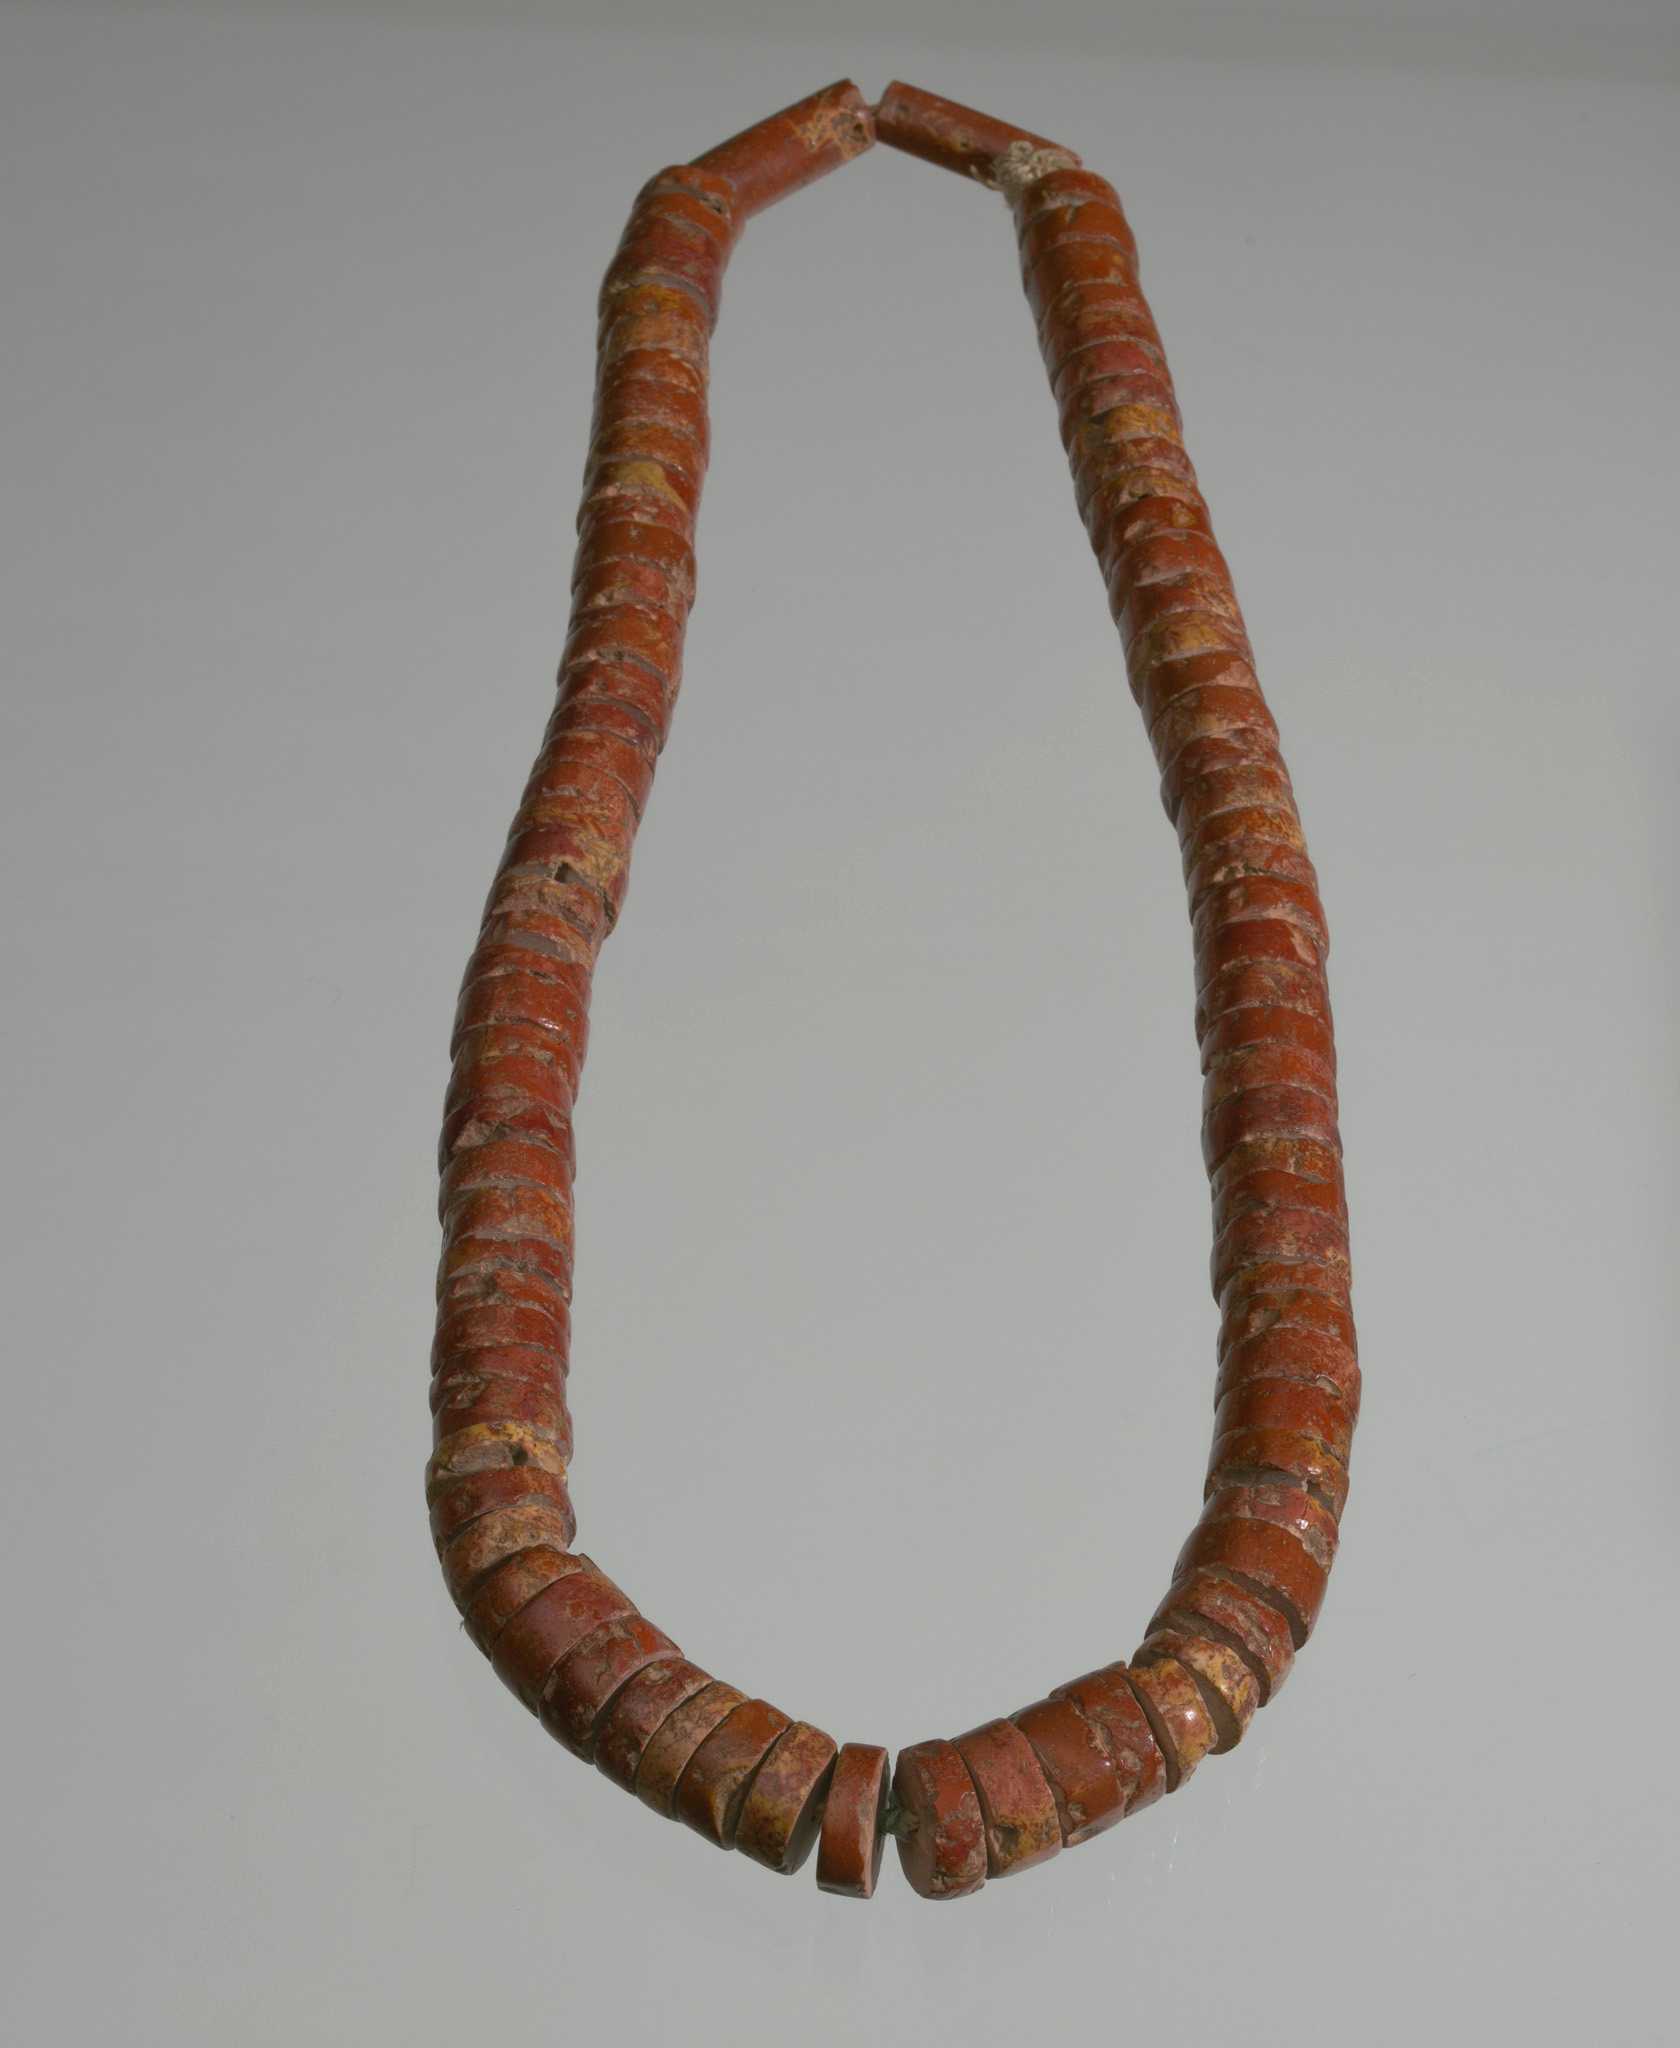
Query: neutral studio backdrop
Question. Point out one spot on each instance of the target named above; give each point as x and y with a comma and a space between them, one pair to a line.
893, 1347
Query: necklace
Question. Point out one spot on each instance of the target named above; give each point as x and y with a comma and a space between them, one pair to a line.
1249, 1581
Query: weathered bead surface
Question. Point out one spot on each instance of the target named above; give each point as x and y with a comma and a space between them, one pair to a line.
641, 1709
552, 1625
854, 1822
584, 1680
942, 1846
1229, 1690
1107, 1701
784, 1803
713, 1786
1078, 1768
1016, 1803
1177, 1714
668, 1752
507, 1588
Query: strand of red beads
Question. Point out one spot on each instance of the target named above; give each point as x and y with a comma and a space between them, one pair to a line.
1248, 1583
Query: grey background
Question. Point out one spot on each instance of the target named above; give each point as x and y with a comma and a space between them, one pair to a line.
893, 1347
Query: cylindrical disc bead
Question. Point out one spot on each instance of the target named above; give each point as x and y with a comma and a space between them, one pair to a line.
1211, 1603
552, 1625
1262, 1555
1022, 1824
639, 1711
713, 1788
667, 1753
495, 1073
854, 1822
490, 1447
482, 1544
1228, 1687
1293, 1336
579, 1687
539, 1312
1175, 1709
465, 1498
509, 1587
472, 1397
1107, 1701
1077, 1766
942, 1837
783, 1808
661, 245
1299, 1456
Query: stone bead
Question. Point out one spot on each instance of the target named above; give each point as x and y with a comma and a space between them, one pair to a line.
582, 1683
1285, 1505
509, 1587
1210, 1602
1298, 1236
473, 1494
487, 1447
784, 1803
1267, 1558
1107, 1701
503, 1532
467, 1398
764, 163
552, 1625
1080, 1772
1288, 1349
956, 138
667, 1754
638, 1713
1229, 1689
1023, 1826
1173, 1703
942, 1846
713, 1787
1279, 1455
854, 1831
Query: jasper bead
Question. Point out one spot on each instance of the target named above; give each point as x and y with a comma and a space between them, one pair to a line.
508, 1588
552, 1625
638, 1713
668, 1752
784, 1803
1229, 1690
713, 1787
1212, 1603
1016, 1803
954, 137
765, 163
502, 1533
1080, 1772
854, 1822
1173, 1704
582, 1683
1108, 1702
478, 1493
942, 1847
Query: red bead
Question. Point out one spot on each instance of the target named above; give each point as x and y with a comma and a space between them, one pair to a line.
854, 1829
784, 1803
942, 1845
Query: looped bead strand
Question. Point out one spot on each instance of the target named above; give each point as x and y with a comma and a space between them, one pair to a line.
1249, 1581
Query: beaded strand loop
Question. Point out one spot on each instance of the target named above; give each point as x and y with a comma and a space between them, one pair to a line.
1249, 1581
